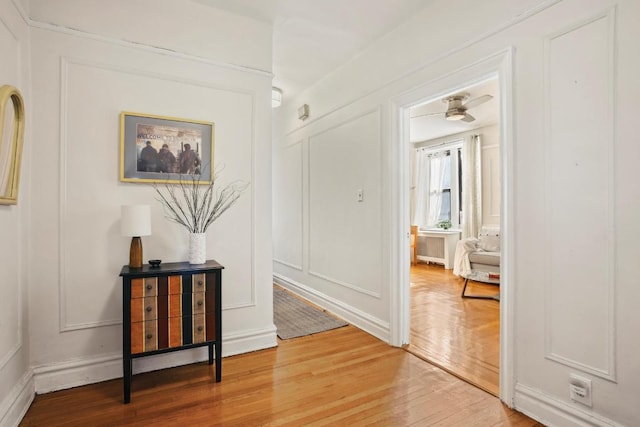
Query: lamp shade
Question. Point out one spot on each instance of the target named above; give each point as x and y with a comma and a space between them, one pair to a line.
135, 220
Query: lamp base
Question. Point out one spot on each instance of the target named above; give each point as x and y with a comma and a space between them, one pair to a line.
135, 253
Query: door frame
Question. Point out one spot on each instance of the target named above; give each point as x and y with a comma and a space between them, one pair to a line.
498, 65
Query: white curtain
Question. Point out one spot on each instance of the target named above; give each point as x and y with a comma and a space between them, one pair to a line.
471, 186
430, 170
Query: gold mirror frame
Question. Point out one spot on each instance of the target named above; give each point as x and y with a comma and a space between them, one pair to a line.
10, 196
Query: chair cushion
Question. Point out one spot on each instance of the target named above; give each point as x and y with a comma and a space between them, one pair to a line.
489, 258
489, 239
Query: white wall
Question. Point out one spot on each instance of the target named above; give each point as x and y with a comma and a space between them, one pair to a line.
16, 380
81, 83
585, 322
490, 149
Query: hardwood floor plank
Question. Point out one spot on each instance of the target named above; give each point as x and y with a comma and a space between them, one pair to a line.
457, 334
342, 377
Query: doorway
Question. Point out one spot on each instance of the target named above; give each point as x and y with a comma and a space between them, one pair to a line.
494, 67
454, 153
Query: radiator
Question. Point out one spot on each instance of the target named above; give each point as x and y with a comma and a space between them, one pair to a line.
432, 247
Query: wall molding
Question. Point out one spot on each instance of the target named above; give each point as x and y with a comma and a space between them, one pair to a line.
19, 279
23, 13
16, 347
358, 318
65, 63
147, 48
295, 267
555, 412
295, 144
377, 293
15, 405
540, 7
609, 371
13, 34
90, 370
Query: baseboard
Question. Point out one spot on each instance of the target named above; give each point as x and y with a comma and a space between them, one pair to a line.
60, 376
358, 318
17, 402
551, 411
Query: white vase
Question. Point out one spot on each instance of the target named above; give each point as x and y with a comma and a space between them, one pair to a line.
197, 248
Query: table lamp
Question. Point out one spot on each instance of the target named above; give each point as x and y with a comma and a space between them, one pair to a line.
135, 222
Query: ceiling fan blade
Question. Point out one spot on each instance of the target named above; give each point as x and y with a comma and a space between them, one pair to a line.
427, 114
477, 101
468, 118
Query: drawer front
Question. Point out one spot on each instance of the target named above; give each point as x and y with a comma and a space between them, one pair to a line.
144, 309
198, 305
144, 336
159, 334
150, 335
199, 283
199, 329
154, 286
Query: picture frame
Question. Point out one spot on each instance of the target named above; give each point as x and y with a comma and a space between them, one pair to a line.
12, 119
160, 149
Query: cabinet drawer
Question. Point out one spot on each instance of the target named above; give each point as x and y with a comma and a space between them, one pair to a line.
158, 334
144, 336
153, 286
144, 309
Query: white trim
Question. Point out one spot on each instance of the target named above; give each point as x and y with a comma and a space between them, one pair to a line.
21, 11
554, 412
74, 373
16, 403
540, 7
20, 281
609, 371
377, 293
287, 264
500, 65
147, 48
64, 325
358, 318
508, 237
345, 284
281, 149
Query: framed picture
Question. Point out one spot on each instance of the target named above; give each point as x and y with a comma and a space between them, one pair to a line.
11, 139
157, 149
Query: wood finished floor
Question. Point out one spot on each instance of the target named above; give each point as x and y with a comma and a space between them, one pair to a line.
460, 335
342, 377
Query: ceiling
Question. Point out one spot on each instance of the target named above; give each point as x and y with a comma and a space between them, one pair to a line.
311, 38
424, 128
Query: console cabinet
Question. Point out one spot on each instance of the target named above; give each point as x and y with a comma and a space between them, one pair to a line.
172, 307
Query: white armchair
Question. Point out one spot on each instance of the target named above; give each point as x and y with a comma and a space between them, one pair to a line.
479, 259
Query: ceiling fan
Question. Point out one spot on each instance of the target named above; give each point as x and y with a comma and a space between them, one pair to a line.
456, 110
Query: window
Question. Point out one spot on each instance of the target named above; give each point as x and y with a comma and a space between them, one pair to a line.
438, 189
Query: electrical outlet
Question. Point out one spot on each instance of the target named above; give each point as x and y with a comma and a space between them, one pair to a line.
580, 390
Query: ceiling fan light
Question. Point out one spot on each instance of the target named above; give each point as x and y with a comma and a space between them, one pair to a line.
455, 115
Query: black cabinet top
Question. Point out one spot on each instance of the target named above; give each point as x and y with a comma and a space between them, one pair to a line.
169, 268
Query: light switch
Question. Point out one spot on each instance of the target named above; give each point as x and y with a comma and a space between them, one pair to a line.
360, 195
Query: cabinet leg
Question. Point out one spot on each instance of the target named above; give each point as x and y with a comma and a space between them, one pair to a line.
210, 354
127, 379
218, 362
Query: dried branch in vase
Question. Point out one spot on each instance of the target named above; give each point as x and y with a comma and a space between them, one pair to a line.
195, 205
